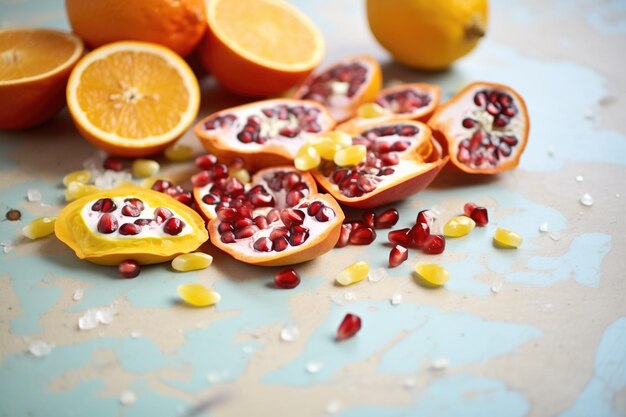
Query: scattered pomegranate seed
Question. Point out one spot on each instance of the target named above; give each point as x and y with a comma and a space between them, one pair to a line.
418, 234
206, 161
480, 216
386, 219
369, 218
286, 278
468, 208
350, 326
113, 163
161, 185
362, 236
400, 237
398, 255
434, 244
129, 268
344, 236
425, 216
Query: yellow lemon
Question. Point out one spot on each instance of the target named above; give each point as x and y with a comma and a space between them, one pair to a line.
427, 34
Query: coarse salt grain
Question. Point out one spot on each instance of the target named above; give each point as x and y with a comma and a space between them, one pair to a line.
439, 364
39, 348
33, 195
377, 274
396, 298
127, 397
78, 294
586, 200
289, 333
313, 367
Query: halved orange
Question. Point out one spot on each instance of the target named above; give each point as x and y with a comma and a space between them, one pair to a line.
259, 47
34, 67
132, 98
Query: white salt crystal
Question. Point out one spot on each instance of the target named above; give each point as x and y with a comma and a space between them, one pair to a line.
89, 320
377, 274
439, 364
586, 200
396, 299
333, 407
337, 299
105, 315
289, 333
496, 288
579, 178
543, 227
349, 296
127, 397
555, 236
7, 246
136, 334
33, 195
313, 367
78, 294
409, 382
40, 348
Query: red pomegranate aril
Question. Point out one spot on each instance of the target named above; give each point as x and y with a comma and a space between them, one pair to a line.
280, 244
369, 218
389, 159
201, 179
314, 207
261, 222
298, 228
362, 236
112, 163
228, 214
104, 205
107, 224
228, 236
263, 244
468, 123
186, 198
325, 214
468, 208
130, 211
425, 216
291, 216
129, 268
294, 197
344, 236
210, 199
173, 226
174, 190
297, 239
129, 229
480, 216
206, 161
350, 325
161, 214
241, 223
386, 219
135, 202
246, 232
278, 233
144, 222
290, 179
161, 185
262, 200
273, 215
418, 234
398, 255
224, 227
434, 245
400, 237
286, 279
401, 145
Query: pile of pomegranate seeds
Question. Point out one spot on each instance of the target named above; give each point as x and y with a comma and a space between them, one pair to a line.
362, 232
173, 190
476, 213
350, 326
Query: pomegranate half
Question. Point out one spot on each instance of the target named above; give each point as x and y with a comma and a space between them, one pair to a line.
402, 158
277, 219
264, 133
485, 127
343, 86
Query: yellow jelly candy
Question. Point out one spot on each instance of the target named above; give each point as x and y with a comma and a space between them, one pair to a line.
353, 273
192, 261
432, 274
458, 226
325, 146
507, 238
241, 174
145, 168
371, 111
340, 137
179, 152
307, 158
40, 227
77, 190
82, 177
198, 295
350, 155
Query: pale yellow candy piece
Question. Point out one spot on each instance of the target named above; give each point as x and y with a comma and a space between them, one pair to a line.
307, 158
198, 295
433, 274
507, 238
350, 155
240, 174
326, 147
192, 261
458, 226
340, 137
82, 176
40, 227
353, 273
179, 152
142, 168
371, 111
76, 190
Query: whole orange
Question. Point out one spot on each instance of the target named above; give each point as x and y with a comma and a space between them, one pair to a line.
176, 24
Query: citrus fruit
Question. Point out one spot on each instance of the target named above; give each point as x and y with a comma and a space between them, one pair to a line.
35, 66
178, 25
427, 34
132, 98
259, 48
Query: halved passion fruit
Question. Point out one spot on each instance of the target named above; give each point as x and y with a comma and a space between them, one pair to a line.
343, 86
401, 159
415, 101
278, 219
129, 223
264, 133
485, 126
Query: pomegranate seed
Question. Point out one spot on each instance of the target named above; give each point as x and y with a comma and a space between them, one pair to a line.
418, 234
135, 202
210, 199
143, 222
468, 208
273, 215
292, 216
398, 255
261, 222
280, 244
325, 214
350, 326
386, 219
241, 223
286, 279
228, 214
263, 244
201, 179
129, 268
314, 207
344, 236
279, 232
400, 237
161, 214
112, 163
107, 224
228, 237
206, 161
262, 200
362, 236
480, 216
425, 216
131, 211
434, 244
468, 123
130, 229
186, 198
369, 218
173, 226
104, 205
161, 185
246, 232
224, 226
297, 239
294, 197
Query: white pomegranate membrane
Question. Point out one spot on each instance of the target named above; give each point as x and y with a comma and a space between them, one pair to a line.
128, 217
272, 122
487, 127
384, 161
273, 215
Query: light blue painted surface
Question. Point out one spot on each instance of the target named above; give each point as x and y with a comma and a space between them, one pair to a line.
421, 332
